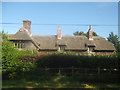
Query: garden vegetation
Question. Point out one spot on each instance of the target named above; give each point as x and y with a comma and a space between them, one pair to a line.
12, 65
28, 64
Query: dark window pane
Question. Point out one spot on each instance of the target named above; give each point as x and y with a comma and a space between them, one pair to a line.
19, 45
22, 45
62, 48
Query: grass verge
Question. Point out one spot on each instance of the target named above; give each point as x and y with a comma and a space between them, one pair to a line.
56, 82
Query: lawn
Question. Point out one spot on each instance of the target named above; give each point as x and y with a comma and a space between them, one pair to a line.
56, 82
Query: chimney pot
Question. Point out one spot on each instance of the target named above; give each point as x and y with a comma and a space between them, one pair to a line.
90, 33
59, 36
27, 25
90, 27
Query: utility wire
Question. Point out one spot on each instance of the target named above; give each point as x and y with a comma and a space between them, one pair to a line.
64, 24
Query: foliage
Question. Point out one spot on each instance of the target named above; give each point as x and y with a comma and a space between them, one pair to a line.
61, 60
30, 58
95, 34
9, 53
11, 63
114, 39
77, 33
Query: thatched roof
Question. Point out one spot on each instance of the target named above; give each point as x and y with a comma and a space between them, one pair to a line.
20, 35
23, 34
71, 42
102, 44
45, 42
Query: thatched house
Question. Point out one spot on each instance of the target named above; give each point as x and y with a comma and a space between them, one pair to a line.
24, 40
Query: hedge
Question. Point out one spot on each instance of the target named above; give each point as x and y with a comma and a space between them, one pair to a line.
61, 60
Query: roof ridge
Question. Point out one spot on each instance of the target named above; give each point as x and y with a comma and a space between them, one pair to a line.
98, 36
62, 35
43, 35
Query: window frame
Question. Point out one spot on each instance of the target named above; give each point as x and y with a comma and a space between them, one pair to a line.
19, 45
61, 48
90, 49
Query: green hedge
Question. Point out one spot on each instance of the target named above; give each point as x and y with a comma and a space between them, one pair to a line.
61, 60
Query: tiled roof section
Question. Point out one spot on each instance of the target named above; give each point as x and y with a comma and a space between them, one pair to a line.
21, 35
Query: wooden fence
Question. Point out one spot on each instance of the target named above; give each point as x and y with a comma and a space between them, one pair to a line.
79, 71
72, 71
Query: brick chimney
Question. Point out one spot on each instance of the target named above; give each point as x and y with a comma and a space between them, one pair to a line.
90, 33
27, 24
59, 36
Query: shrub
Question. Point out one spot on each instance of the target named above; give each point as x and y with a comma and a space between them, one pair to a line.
30, 58
12, 65
57, 60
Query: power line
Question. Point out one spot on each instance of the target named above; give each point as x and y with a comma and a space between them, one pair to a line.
10, 23
64, 24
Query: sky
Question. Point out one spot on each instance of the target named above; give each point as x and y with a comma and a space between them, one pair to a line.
69, 16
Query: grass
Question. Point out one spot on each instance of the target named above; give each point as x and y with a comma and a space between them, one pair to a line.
56, 82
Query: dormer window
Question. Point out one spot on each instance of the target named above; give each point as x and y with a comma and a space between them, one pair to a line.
90, 49
61, 48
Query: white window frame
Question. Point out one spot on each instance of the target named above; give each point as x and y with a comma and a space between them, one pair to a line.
19, 45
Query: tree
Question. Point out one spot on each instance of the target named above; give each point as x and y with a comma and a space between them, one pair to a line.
10, 55
114, 39
11, 58
12, 65
95, 34
77, 33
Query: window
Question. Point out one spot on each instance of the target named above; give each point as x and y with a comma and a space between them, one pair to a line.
22, 45
61, 48
90, 49
15, 44
19, 44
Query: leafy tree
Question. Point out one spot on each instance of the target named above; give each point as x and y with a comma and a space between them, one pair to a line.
95, 34
77, 33
114, 39
11, 58
10, 55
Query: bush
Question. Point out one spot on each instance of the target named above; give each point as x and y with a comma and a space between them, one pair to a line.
12, 65
30, 58
61, 60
